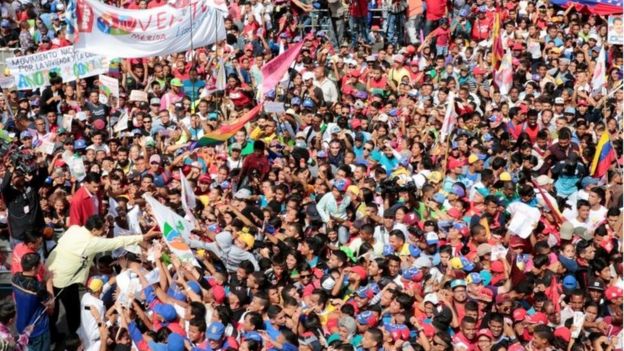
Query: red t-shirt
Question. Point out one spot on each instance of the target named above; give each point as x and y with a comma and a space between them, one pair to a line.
16, 260
436, 9
481, 28
442, 36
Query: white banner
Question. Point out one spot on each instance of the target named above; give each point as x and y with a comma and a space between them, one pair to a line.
33, 71
176, 230
109, 88
159, 31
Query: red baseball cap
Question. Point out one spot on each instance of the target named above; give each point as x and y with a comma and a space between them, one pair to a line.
613, 293
497, 267
563, 333
519, 314
538, 318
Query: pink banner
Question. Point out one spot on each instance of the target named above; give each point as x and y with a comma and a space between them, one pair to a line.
273, 71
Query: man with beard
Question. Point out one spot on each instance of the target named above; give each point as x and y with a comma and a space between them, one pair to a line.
18, 189
123, 162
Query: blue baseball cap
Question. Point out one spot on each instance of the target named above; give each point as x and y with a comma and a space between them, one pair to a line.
295, 101
569, 282
468, 265
270, 94
412, 274
194, 286
166, 311
474, 278
587, 181
80, 144
362, 292
414, 250
439, 198
215, 331
252, 335
25, 134
458, 282
340, 185
308, 103
176, 294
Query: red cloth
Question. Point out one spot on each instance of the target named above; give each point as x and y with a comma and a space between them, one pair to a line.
82, 207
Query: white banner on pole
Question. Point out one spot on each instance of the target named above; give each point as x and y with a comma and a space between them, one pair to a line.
159, 31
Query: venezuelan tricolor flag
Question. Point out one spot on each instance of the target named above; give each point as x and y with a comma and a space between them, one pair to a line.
604, 156
226, 131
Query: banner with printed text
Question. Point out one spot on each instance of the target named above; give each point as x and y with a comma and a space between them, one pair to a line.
33, 71
159, 31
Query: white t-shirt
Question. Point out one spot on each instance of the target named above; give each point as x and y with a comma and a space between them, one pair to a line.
88, 332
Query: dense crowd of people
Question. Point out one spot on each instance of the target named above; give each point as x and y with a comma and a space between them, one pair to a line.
351, 220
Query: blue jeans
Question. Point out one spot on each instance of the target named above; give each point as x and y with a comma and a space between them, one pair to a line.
441, 50
396, 28
358, 29
40, 343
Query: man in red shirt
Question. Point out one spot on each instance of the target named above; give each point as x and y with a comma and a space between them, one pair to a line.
31, 244
358, 11
482, 27
464, 340
256, 164
85, 202
436, 9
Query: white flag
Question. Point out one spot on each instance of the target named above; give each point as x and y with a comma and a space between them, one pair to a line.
188, 196
221, 81
503, 77
450, 117
189, 202
176, 230
122, 123
599, 78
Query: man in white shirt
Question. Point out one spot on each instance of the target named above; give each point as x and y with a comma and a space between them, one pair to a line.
597, 212
330, 93
580, 217
91, 315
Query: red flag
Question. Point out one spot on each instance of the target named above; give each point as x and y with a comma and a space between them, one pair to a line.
553, 293
553, 209
497, 43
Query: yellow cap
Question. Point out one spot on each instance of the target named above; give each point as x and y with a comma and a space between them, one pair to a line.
473, 158
204, 199
95, 284
435, 177
248, 239
456, 263
353, 189
505, 177
201, 253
